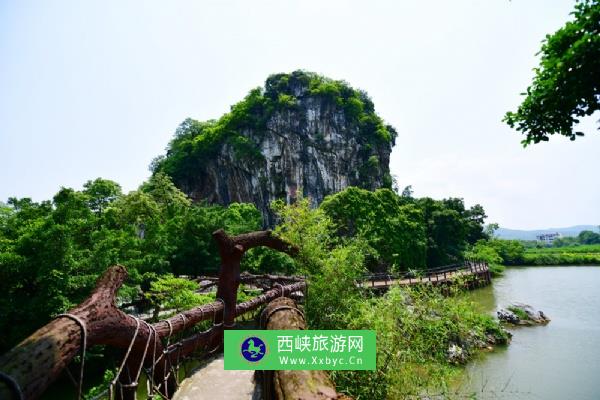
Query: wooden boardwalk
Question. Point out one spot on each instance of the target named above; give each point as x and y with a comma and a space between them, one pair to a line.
478, 271
147, 347
213, 382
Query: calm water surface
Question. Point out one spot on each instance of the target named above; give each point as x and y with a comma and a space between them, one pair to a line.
558, 361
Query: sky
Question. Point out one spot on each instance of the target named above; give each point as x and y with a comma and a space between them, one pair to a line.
97, 88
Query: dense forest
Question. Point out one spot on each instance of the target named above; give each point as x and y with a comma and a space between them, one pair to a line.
52, 252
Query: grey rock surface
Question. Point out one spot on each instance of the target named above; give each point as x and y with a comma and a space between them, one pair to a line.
311, 148
534, 316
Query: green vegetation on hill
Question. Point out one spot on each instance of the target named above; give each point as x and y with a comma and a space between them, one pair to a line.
195, 142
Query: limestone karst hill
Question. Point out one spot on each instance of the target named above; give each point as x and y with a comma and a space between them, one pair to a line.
302, 131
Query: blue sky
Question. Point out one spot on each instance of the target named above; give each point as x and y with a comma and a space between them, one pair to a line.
97, 88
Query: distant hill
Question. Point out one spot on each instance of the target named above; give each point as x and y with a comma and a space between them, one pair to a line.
505, 233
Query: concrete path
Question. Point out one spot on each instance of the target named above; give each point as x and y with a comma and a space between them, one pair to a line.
212, 382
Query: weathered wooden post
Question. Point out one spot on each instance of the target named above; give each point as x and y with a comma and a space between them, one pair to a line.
283, 313
231, 250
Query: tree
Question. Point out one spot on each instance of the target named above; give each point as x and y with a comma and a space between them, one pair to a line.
566, 85
101, 193
446, 230
393, 229
70, 205
588, 237
408, 192
490, 230
166, 194
474, 219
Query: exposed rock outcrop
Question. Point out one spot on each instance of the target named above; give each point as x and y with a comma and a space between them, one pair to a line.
522, 314
461, 351
301, 132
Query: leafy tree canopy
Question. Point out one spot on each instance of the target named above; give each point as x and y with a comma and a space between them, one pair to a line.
566, 85
394, 229
588, 237
406, 232
450, 228
52, 252
101, 192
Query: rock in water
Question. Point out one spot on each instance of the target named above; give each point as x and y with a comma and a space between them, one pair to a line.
522, 314
301, 131
508, 316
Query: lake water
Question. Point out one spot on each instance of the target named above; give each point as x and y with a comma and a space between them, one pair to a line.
558, 361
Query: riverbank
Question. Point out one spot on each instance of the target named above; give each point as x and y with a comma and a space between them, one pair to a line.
425, 335
571, 255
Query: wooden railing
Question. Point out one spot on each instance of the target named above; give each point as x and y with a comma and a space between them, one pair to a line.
159, 348
29, 368
436, 275
283, 313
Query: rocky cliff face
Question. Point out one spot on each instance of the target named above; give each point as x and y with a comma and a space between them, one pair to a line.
301, 132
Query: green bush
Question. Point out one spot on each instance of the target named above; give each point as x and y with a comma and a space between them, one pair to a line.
175, 295
400, 241
415, 325
519, 312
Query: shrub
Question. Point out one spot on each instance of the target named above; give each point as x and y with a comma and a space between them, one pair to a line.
415, 325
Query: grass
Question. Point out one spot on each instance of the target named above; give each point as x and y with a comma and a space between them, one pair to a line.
579, 249
570, 255
415, 327
519, 312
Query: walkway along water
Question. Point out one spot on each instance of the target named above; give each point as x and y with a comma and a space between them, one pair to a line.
157, 350
477, 274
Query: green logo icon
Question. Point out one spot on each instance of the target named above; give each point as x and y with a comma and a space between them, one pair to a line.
300, 350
